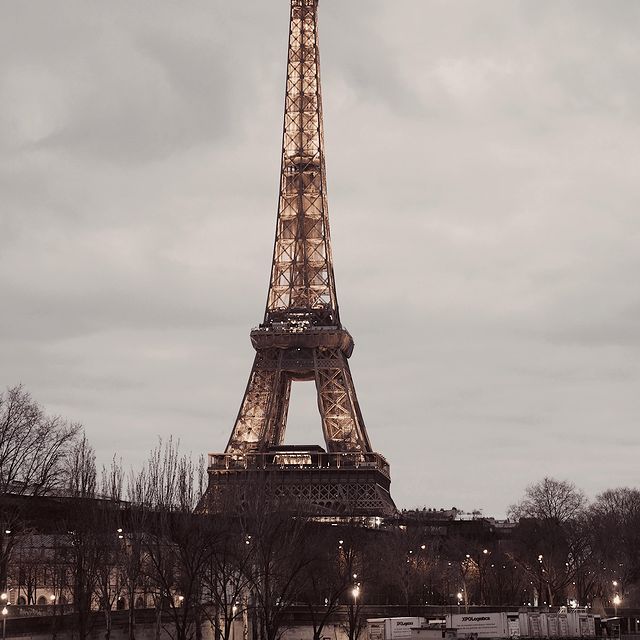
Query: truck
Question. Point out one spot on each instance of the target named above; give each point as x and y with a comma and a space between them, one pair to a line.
526, 624
392, 628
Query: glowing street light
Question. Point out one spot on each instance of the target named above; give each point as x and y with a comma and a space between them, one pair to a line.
616, 602
5, 611
234, 610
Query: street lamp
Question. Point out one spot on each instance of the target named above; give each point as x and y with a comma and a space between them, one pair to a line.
4, 620
234, 610
459, 596
616, 603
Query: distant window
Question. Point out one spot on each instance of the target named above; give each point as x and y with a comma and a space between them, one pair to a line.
22, 600
63, 600
139, 602
121, 604
42, 600
292, 459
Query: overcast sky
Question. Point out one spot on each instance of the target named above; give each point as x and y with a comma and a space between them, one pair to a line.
483, 169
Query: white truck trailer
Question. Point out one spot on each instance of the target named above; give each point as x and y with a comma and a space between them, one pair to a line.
526, 624
392, 628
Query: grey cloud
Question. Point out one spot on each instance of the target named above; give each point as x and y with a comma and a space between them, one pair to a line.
482, 166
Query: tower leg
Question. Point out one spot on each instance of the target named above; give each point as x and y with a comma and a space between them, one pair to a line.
263, 413
342, 421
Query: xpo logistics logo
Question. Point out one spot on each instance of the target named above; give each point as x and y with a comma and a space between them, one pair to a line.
475, 618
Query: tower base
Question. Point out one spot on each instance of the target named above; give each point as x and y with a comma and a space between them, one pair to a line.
304, 481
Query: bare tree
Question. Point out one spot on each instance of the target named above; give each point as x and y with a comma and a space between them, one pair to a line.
85, 538
33, 446
33, 449
227, 576
614, 525
505, 581
352, 562
550, 499
111, 559
80, 470
404, 560
551, 542
28, 566
133, 561
279, 558
333, 573
175, 542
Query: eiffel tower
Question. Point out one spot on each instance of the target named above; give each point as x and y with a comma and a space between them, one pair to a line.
301, 336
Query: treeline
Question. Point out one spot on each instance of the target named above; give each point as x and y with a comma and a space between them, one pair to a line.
560, 549
135, 539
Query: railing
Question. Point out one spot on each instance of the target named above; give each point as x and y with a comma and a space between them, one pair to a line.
297, 327
306, 460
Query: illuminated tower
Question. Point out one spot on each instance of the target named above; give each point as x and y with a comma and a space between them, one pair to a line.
301, 336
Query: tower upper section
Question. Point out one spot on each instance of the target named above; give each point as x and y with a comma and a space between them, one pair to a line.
302, 286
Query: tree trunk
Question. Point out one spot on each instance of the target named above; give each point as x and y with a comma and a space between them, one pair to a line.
107, 621
158, 621
131, 618
197, 620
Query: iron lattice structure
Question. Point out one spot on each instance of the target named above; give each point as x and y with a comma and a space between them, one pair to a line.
301, 336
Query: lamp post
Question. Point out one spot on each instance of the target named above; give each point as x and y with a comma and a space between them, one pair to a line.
5, 611
234, 610
353, 612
